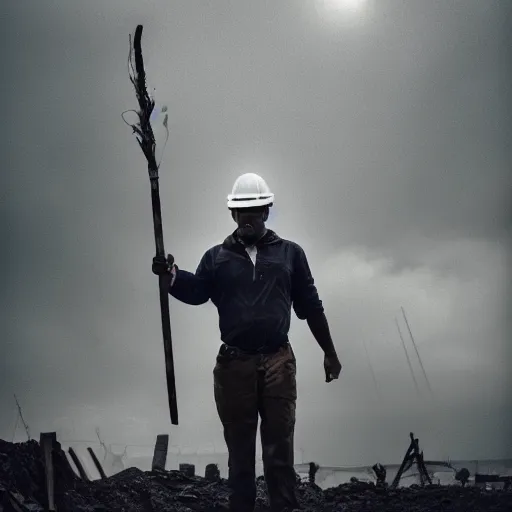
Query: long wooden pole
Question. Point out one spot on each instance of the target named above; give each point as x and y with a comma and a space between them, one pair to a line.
147, 144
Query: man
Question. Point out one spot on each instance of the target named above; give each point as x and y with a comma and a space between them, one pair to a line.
254, 278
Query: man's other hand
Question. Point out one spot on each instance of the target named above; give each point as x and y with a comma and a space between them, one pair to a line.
332, 367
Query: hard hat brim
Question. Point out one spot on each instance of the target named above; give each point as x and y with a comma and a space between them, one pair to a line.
249, 202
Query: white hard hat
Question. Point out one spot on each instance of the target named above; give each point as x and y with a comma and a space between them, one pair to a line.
250, 190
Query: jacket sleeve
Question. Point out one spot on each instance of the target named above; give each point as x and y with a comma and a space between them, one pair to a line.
194, 289
305, 297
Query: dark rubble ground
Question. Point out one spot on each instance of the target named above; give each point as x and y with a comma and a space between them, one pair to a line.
22, 478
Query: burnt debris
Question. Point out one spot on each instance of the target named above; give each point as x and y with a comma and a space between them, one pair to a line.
23, 486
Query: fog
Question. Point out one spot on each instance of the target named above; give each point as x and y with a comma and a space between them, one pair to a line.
384, 133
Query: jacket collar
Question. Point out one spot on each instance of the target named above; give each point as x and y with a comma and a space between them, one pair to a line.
269, 238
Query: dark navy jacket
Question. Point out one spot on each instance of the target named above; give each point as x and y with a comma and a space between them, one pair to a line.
254, 301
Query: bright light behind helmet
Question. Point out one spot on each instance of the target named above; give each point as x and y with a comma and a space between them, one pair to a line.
348, 6
347, 12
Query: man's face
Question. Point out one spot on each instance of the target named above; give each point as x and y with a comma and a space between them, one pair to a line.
251, 222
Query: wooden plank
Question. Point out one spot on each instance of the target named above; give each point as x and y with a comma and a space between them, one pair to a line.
211, 473
405, 461
160, 453
188, 469
97, 463
47, 441
424, 476
78, 464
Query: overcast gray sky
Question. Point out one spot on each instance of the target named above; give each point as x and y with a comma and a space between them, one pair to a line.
385, 134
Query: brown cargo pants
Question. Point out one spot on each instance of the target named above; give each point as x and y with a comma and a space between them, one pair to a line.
247, 386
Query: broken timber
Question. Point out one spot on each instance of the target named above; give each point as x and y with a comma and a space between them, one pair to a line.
20, 415
78, 464
413, 455
146, 140
187, 469
160, 453
97, 463
47, 442
212, 473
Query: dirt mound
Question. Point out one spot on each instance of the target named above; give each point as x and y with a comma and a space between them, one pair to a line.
22, 480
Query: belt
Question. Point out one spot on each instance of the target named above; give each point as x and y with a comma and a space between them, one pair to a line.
235, 352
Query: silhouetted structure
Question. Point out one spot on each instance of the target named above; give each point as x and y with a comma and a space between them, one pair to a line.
78, 464
188, 469
380, 473
313, 468
160, 453
212, 473
462, 476
97, 463
413, 455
